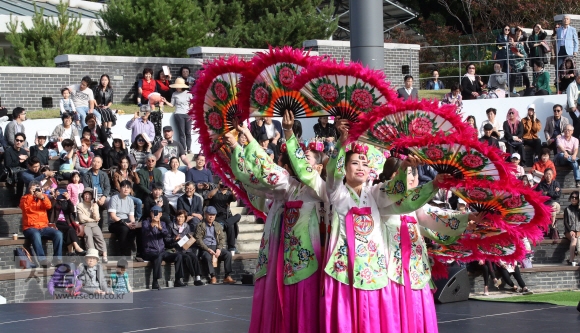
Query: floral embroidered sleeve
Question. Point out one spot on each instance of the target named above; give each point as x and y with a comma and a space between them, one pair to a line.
304, 172
335, 168
406, 200
438, 237
238, 165
444, 222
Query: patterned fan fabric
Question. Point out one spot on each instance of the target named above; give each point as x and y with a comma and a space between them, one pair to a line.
265, 90
407, 119
344, 90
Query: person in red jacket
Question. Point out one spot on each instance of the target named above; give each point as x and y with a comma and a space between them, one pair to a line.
544, 162
34, 206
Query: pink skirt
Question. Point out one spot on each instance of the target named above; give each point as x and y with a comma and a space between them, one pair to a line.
376, 311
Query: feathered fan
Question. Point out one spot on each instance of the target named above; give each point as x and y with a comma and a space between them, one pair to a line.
344, 90
265, 89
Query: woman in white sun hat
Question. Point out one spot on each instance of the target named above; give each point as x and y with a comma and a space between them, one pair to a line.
181, 101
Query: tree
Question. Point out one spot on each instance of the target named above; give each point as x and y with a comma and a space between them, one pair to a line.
48, 37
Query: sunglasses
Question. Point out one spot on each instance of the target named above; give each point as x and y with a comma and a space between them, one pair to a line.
508, 29
18, 140
575, 198
511, 112
140, 140
557, 110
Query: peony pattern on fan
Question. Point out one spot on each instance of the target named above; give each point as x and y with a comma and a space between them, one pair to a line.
221, 90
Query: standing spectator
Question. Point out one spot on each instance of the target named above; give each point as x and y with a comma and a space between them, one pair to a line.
62, 215
199, 173
513, 131
535, 45
122, 218
211, 241
67, 106
163, 81
550, 187
518, 65
65, 130
507, 268
92, 275
532, 126
502, 41
434, 83
123, 173
471, 84
84, 99
39, 149
184, 73
147, 177
544, 163
139, 149
168, 148
88, 215
84, 157
99, 137
146, 86
541, 80
141, 125
104, 100
16, 156
498, 80
327, 132
153, 232
97, 179
117, 152
572, 225
156, 198
181, 101
34, 206
567, 40
497, 127
487, 136
408, 92
221, 198
192, 204
555, 126
573, 98
568, 151
567, 73
15, 126
177, 231
173, 182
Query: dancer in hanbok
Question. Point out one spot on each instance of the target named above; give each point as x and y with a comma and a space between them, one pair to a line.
287, 288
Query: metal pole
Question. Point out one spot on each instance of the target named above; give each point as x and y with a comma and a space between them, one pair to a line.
459, 61
366, 33
507, 59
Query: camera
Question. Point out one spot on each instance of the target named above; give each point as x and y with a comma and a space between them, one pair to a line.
155, 213
37, 190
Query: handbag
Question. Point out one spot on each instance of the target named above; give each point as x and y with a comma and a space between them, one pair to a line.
24, 259
546, 47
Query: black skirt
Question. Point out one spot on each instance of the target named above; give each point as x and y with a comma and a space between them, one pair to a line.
69, 234
107, 115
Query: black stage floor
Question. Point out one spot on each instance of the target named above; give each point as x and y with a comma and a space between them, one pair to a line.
227, 309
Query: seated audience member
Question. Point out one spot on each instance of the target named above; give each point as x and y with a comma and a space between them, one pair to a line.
75, 188
34, 206
515, 158
572, 104
84, 157
454, 97
192, 205
184, 72
146, 87
527, 180
572, 225
498, 80
544, 163
39, 150
99, 143
65, 130
272, 128
67, 159
123, 173
507, 268
173, 182
16, 126
211, 241
122, 218
540, 81
120, 282
84, 99
408, 92
33, 172
178, 230
67, 106
104, 95
568, 152
268, 146
147, 177
64, 282
156, 198
513, 130
426, 173
532, 126
140, 124
88, 215
494, 121
116, 152
98, 180
15, 156
221, 198
488, 270
199, 173
324, 130
203, 189
168, 148
139, 149
92, 275
555, 126
62, 215
567, 73
153, 233
434, 83
487, 136
550, 187
163, 81
471, 84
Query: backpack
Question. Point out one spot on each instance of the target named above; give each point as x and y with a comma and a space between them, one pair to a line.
23, 257
65, 281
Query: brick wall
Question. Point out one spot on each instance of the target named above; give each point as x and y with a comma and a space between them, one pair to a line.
25, 86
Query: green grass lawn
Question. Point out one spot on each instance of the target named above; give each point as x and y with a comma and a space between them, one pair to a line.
55, 113
566, 298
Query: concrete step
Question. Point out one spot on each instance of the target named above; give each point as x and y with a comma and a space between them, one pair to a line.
248, 219
248, 247
251, 228
249, 237
239, 210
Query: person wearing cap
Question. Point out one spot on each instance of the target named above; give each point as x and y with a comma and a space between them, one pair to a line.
148, 176
88, 215
519, 171
117, 152
33, 172
181, 101
555, 126
568, 152
532, 127
156, 198
221, 198
268, 146
153, 233
66, 130
92, 275
39, 149
34, 206
122, 218
141, 124
487, 136
212, 243
168, 148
